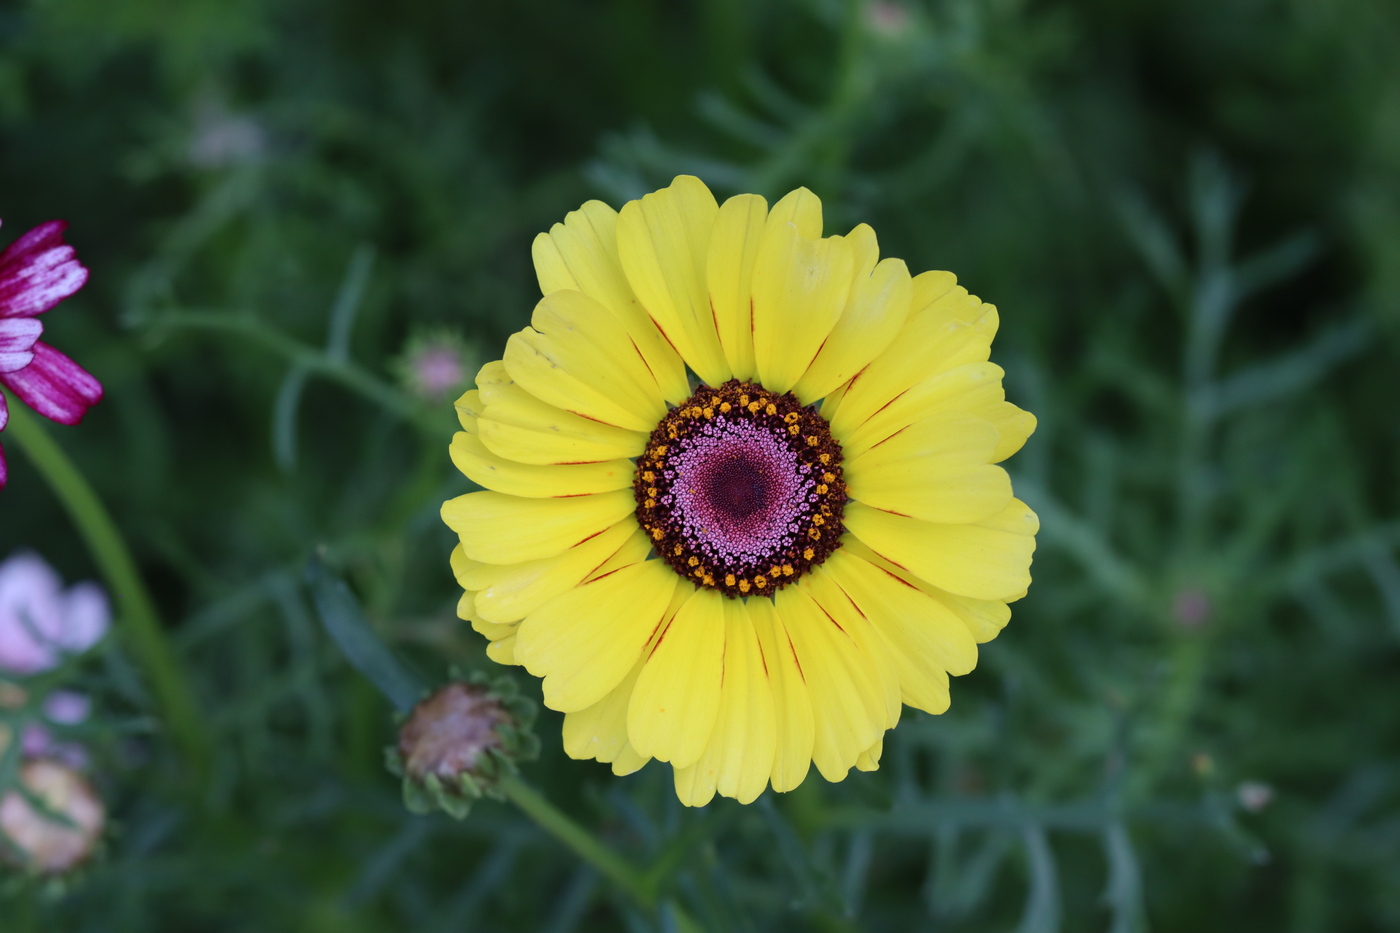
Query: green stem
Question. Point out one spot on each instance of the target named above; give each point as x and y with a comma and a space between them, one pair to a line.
312, 359
1172, 727
1082, 541
553, 821
139, 625
827, 126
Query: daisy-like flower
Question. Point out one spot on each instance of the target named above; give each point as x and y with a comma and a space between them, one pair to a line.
741, 496
37, 271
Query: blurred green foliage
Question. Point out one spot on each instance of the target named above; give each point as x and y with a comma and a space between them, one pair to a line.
1189, 214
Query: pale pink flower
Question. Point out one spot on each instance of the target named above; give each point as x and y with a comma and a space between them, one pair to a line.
37, 271
40, 621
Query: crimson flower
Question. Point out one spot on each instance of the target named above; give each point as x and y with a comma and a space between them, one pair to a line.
37, 271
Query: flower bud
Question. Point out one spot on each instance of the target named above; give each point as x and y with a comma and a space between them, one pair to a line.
1192, 608
436, 365
458, 742
40, 842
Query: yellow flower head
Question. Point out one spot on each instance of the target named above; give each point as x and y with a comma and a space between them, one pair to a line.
742, 499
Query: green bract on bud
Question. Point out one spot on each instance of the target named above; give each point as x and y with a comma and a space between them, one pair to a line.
60, 840
458, 742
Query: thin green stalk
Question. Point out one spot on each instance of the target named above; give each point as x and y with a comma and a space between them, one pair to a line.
851, 89
313, 359
1179, 701
553, 821
139, 625
1082, 541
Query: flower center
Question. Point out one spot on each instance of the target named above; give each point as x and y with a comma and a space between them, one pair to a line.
741, 489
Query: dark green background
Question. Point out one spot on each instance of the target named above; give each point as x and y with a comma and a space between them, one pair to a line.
1188, 214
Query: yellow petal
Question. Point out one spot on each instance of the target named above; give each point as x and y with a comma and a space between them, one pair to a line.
800, 286
663, 240
960, 389
842, 609
1013, 424
792, 704
634, 549
463, 567
927, 640
989, 559
466, 606
491, 376
600, 731
500, 529
468, 408
577, 357
491, 630
957, 328
874, 314
929, 287
628, 761
585, 642
739, 757
984, 618
581, 254
676, 699
937, 469
483, 467
729, 272
853, 688
695, 785
517, 426
503, 651
865, 251
832, 402
511, 592
802, 209
869, 759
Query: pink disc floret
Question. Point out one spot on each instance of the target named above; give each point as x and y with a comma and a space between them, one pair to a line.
738, 491
741, 490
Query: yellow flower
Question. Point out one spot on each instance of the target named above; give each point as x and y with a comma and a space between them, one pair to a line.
741, 495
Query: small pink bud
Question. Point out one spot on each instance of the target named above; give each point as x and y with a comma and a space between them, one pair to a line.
459, 742
1192, 608
435, 366
447, 733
